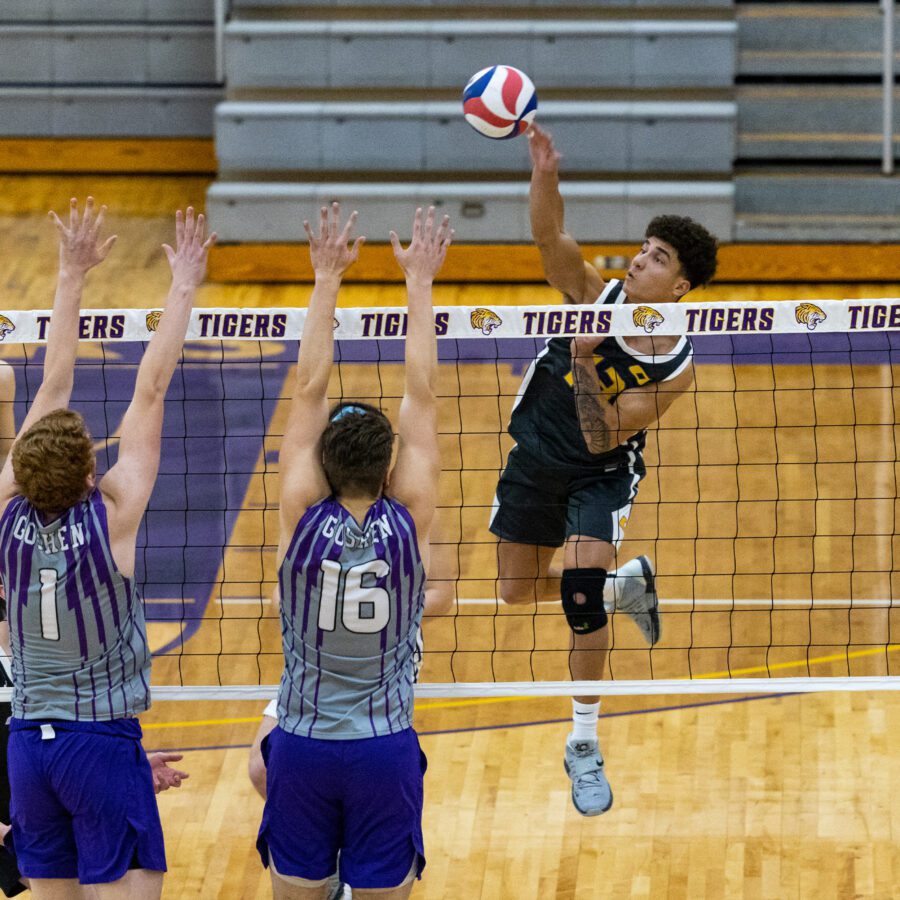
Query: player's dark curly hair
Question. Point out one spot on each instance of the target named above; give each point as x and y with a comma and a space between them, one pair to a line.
695, 246
52, 461
356, 449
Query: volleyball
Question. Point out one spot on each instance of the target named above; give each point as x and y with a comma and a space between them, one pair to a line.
499, 102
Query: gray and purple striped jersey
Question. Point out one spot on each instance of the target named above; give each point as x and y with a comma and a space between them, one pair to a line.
351, 604
76, 624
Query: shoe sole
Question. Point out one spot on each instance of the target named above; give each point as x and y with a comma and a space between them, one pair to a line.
587, 812
650, 579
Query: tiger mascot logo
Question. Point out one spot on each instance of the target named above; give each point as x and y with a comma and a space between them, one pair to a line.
810, 315
6, 327
153, 319
648, 318
484, 320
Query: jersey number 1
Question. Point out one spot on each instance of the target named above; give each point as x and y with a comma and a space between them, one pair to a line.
365, 609
49, 613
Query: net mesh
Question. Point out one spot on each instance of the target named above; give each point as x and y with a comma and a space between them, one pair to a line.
769, 505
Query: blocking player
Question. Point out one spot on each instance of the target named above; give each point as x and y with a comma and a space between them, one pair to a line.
439, 599
164, 776
344, 768
580, 425
83, 805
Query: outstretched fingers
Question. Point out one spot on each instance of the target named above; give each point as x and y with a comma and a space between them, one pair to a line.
57, 222
443, 230
179, 228
349, 226
106, 246
335, 220
417, 225
430, 234
190, 226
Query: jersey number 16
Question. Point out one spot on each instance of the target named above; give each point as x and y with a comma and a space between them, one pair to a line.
365, 607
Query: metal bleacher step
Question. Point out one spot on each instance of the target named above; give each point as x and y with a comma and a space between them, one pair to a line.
267, 212
86, 54
809, 39
121, 11
821, 204
820, 122
101, 112
587, 8
440, 54
433, 137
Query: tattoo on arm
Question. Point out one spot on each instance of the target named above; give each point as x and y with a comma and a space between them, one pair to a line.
590, 405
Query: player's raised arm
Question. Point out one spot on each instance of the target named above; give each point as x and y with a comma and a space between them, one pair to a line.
80, 249
128, 484
414, 480
561, 257
302, 476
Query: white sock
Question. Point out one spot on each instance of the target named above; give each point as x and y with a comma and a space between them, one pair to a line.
584, 721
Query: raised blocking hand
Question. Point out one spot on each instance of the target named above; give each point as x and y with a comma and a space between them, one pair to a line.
425, 255
79, 243
330, 251
188, 259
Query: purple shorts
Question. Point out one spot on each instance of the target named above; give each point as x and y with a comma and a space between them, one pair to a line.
360, 797
82, 800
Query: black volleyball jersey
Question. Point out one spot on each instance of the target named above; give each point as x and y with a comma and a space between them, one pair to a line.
544, 419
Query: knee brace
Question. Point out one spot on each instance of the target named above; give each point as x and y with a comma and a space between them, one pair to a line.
583, 618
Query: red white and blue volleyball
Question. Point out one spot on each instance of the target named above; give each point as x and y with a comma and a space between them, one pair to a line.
499, 102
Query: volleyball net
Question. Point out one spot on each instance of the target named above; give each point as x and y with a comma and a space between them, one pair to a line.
769, 507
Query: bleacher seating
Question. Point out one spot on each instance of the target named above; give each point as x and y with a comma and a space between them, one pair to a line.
810, 124
325, 104
136, 68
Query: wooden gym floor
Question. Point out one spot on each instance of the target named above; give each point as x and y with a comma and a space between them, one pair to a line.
719, 796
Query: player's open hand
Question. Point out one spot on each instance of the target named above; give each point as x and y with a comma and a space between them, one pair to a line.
188, 259
426, 253
544, 156
165, 777
330, 250
79, 246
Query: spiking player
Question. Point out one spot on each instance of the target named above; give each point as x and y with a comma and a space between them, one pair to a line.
83, 804
580, 425
344, 768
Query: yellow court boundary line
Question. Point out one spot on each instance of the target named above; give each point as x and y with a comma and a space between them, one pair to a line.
482, 701
835, 657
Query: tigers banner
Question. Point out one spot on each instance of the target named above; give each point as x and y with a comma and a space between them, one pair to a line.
625, 319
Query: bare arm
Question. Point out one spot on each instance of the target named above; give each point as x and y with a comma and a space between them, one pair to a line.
607, 422
128, 484
414, 480
302, 477
563, 263
79, 252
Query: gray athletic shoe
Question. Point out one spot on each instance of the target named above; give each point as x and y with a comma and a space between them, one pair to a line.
591, 792
636, 595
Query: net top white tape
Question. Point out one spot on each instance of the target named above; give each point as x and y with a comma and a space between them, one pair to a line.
626, 320
434, 691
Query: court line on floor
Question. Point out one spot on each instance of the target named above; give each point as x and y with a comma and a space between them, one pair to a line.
568, 719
